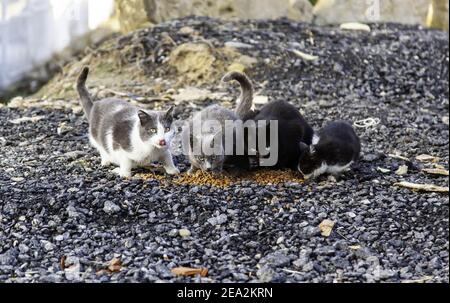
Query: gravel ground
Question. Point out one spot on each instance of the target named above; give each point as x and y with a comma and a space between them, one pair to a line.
63, 218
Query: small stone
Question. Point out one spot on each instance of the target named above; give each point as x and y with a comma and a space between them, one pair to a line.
184, 233
236, 44
173, 233
23, 248
351, 215
72, 212
110, 208
280, 240
219, 220
48, 246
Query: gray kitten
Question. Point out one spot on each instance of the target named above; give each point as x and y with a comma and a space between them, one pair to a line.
126, 135
206, 130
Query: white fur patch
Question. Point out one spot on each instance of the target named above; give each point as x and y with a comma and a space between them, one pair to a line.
329, 169
315, 139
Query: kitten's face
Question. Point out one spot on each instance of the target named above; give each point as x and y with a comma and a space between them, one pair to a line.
156, 128
308, 161
207, 161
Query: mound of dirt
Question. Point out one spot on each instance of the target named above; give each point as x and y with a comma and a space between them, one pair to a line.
142, 66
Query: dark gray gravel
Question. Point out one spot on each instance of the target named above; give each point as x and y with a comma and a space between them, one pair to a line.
55, 201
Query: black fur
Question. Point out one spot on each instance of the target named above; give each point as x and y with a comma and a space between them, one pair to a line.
338, 145
292, 129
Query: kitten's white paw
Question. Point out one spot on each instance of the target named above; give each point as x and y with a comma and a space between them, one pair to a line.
121, 173
172, 170
105, 162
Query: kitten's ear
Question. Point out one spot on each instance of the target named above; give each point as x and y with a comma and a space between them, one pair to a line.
304, 148
143, 117
169, 112
168, 116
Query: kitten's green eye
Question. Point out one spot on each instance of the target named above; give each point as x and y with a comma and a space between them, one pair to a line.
201, 159
153, 130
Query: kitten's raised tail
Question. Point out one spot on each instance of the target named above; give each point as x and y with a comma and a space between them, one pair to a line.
246, 98
85, 97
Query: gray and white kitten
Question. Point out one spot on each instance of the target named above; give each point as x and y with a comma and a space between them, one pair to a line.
126, 135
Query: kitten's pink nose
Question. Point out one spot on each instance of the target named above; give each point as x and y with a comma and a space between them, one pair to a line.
162, 142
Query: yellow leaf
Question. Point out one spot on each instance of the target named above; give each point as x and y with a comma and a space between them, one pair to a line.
355, 26
436, 171
423, 187
326, 226
427, 158
188, 271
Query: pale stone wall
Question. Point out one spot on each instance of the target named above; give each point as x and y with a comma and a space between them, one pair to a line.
134, 13
400, 11
137, 13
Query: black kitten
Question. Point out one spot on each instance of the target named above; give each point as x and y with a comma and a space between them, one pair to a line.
292, 129
333, 150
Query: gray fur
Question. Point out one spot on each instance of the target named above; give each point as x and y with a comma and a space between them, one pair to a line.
85, 97
203, 161
245, 101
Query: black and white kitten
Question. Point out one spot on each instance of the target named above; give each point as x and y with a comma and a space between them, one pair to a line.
333, 150
292, 126
126, 135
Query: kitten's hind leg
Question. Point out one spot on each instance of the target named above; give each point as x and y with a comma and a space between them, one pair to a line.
124, 169
168, 164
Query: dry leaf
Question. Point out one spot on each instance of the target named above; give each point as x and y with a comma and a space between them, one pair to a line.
355, 26
62, 262
383, 170
187, 271
355, 247
305, 56
424, 279
436, 171
445, 120
326, 226
114, 265
402, 170
427, 158
423, 187
395, 156
260, 99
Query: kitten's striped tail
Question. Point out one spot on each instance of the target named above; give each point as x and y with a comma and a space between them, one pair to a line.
246, 99
85, 97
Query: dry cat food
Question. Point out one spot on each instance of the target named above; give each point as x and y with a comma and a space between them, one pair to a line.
225, 179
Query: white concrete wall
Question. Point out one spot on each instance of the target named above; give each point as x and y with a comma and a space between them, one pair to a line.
31, 31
